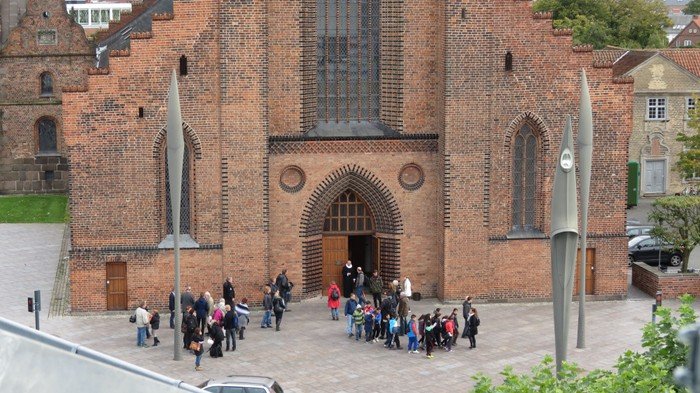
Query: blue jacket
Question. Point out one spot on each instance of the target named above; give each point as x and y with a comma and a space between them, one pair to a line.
369, 322
350, 306
201, 307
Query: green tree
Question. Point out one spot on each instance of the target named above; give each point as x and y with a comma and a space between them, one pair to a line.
626, 23
650, 371
692, 8
677, 221
688, 164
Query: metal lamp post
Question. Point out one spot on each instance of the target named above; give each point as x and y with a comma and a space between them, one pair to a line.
564, 239
585, 150
176, 149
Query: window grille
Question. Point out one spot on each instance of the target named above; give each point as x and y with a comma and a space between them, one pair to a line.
656, 108
348, 213
348, 55
47, 136
46, 84
185, 199
524, 180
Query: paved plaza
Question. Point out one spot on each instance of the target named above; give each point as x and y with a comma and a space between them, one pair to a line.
312, 353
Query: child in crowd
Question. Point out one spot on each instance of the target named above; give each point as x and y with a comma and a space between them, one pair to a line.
412, 335
359, 318
377, 324
155, 325
369, 324
449, 332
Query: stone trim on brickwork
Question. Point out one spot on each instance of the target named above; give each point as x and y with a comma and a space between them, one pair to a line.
122, 248
541, 129
194, 141
376, 194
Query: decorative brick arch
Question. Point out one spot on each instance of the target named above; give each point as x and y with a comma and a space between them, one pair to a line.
191, 138
537, 124
381, 202
385, 211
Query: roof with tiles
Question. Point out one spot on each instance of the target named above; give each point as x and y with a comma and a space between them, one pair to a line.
688, 58
624, 60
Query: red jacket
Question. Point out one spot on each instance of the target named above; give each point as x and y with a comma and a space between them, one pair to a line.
449, 327
334, 303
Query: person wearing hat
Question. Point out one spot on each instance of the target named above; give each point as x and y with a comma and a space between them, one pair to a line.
359, 318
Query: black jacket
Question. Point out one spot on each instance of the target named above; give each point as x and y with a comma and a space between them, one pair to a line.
466, 307
472, 328
171, 302
267, 302
230, 320
229, 292
155, 321
191, 322
186, 299
282, 282
278, 305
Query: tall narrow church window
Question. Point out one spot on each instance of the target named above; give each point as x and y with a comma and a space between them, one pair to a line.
347, 51
47, 136
46, 84
185, 199
348, 213
524, 180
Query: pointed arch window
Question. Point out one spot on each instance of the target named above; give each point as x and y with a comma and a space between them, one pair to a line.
524, 206
46, 129
348, 213
185, 217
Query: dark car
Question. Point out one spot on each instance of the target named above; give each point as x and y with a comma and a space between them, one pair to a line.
650, 250
636, 230
242, 384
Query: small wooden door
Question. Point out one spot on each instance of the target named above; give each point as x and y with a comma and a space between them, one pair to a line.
590, 269
116, 286
335, 254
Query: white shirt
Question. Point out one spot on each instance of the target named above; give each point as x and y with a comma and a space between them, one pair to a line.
407, 287
142, 317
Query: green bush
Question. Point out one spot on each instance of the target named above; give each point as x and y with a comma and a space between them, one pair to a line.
648, 372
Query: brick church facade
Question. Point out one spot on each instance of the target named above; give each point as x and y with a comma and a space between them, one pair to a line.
414, 137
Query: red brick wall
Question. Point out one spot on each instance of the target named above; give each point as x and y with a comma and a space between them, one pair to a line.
672, 285
22, 61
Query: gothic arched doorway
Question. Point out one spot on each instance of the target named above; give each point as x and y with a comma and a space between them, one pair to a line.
348, 234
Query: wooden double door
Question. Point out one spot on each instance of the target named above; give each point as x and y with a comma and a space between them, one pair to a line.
590, 270
362, 250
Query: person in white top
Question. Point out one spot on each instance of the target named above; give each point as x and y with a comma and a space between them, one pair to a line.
407, 287
142, 320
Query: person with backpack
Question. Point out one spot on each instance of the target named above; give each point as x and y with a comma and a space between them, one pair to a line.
334, 300
375, 288
230, 325
284, 286
472, 327
412, 334
278, 307
350, 307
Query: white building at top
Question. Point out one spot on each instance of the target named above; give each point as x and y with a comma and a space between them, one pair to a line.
97, 14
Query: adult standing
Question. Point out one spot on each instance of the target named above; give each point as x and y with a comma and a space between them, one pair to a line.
171, 307
385, 310
466, 308
375, 287
267, 307
243, 317
348, 279
284, 286
407, 287
189, 324
350, 306
217, 334
472, 327
186, 300
278, 306
229, 291
201, 307
230, 325
142, 320
404, 309
360, 286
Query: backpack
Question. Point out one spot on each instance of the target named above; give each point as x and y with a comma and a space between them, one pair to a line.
334, 294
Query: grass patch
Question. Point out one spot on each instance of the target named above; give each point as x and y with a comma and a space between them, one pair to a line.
33, 209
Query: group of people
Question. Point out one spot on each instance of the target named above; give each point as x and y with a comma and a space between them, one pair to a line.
388, 318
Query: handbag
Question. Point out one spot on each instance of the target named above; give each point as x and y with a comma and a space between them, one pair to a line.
194, 346
132, 318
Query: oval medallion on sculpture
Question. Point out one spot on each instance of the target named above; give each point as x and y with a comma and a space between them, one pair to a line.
411, 177
292, 179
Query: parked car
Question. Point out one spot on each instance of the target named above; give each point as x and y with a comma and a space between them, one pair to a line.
650, 250
636, 230
242, 384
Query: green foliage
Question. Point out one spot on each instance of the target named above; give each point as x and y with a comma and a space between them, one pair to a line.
677, 221
33, 209
625, 23
688, 163
692, 8
648, 372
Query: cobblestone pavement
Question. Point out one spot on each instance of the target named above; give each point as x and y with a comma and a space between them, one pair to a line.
312, 353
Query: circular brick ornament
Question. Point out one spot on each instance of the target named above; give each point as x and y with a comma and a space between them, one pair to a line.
411, 177
292, 179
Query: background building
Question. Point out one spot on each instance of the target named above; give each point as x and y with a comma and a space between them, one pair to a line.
418, 138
